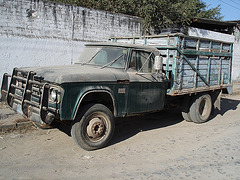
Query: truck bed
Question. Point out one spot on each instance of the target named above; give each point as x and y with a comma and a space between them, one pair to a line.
191, 64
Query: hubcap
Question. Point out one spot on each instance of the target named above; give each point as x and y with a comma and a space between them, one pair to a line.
95, 128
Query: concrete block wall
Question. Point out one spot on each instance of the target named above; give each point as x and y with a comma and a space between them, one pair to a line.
40, 33
52, 20
236, 57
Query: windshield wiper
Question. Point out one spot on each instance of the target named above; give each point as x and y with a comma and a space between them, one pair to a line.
91, 59
110, 63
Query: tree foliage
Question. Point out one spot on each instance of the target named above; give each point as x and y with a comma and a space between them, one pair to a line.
156, 14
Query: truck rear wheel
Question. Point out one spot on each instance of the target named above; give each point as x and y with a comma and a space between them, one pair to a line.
93, 127
201, 108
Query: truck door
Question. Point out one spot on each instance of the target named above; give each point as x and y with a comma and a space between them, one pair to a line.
146, 92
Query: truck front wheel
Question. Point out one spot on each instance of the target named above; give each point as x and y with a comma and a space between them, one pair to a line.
201, 108
93, 127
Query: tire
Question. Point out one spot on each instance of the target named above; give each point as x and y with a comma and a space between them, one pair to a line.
93, 127
201, 108
186, 109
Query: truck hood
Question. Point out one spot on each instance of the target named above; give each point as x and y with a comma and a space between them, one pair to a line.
78, 73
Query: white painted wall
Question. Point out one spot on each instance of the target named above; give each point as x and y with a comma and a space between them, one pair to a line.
236, 57
25, 52
52, 20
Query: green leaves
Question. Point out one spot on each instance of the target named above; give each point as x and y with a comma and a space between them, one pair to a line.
156, 14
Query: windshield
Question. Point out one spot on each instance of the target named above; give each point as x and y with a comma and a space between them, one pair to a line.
104, 56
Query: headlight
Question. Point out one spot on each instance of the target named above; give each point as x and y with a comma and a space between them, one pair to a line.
54, 95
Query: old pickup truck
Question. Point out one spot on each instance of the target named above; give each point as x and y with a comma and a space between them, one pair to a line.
116, 79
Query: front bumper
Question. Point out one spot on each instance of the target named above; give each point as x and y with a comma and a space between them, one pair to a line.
28, 94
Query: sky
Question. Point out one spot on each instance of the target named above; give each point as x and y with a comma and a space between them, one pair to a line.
230, 9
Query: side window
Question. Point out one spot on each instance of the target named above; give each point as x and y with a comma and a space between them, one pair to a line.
142, 61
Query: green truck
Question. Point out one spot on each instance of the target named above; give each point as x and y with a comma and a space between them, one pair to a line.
116, 79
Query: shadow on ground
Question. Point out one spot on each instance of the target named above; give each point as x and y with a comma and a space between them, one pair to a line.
227, 104
128, 127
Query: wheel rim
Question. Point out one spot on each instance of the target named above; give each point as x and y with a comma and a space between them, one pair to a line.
96, 127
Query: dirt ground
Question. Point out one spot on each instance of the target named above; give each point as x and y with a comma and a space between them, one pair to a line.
156, 146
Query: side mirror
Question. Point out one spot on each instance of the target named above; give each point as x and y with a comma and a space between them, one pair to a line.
158, 63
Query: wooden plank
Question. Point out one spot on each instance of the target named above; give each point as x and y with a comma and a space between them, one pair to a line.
204, 53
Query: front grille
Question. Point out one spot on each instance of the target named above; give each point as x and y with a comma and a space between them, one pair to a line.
28, 93
24, 90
